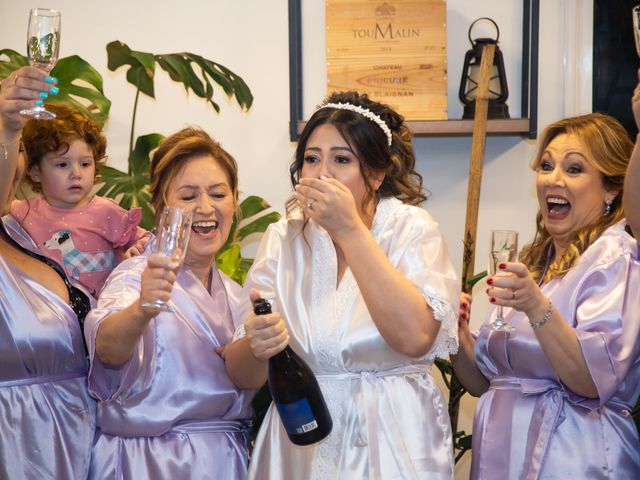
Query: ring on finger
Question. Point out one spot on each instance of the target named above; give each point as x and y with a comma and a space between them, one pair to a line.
310, 204
15, 80
513, 295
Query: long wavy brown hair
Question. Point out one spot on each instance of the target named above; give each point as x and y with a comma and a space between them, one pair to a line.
608, 148
369, 143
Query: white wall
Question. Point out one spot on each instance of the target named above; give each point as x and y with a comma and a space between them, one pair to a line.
251, 38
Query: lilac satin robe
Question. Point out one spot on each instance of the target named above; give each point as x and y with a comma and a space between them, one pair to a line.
529, 425
171, 412
46, 413
390, 419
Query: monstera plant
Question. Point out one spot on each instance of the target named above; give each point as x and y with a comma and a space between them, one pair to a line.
81, 87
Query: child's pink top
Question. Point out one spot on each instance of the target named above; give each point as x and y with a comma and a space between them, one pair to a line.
88, 241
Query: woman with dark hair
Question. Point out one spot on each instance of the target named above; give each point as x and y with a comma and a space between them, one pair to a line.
557, 391
363, 289
167, 408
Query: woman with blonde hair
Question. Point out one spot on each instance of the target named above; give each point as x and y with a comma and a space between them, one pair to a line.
557, 391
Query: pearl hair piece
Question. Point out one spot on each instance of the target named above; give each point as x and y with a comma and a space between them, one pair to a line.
364, 112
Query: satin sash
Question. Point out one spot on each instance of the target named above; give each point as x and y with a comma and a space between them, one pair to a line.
547, 415
370, 405
43, 379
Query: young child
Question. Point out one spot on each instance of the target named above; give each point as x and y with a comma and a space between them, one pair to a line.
88, 235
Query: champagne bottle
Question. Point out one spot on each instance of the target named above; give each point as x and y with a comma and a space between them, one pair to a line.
296, 393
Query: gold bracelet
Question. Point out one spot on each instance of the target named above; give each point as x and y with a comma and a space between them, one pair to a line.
5, 145
545, 318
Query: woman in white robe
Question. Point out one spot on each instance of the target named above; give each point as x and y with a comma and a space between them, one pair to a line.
363, 289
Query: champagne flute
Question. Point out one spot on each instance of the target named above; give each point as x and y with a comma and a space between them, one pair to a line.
43, 45
172, 238
504, 246
636, 27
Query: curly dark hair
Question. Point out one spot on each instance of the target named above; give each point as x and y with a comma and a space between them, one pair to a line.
369, 142
40, 137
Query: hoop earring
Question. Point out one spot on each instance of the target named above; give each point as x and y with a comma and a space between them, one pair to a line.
607, 208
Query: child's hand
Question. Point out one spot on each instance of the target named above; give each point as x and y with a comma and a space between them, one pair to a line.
137, 248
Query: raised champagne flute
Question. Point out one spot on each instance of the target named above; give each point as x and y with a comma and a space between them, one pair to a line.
43, 46
504, 247
172, 238
636, 27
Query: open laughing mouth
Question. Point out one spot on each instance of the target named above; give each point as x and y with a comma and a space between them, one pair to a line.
557, 207
204, 228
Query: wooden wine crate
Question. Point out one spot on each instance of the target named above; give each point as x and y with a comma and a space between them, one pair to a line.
393, 51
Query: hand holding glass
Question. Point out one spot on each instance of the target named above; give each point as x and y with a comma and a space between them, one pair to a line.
504, 247
172, 238
43, 45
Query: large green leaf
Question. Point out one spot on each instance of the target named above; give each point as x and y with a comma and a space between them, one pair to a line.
179, 66
252, 205
258, 225
140, 73
14, 61
78, 79
228, 262
80, 84
140, 157
229, 258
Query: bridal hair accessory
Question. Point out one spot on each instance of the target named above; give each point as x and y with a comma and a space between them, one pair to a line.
364, 112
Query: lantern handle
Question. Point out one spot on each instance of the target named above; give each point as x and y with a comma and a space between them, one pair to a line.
484, 18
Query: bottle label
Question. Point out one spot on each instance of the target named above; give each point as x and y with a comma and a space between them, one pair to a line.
297, 417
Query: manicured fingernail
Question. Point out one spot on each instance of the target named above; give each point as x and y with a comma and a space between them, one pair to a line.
502, 266
464, 305
492, 300
54, 90
43, 95
490, 281
172, 265
49, 79
39, 103
464, 315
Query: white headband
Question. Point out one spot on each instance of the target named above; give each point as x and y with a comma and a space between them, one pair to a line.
364, 112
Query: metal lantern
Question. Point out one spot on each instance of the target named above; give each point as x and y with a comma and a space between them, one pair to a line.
498, 90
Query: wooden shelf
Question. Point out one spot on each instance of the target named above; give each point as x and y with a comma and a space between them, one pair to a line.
508, 126
439, 128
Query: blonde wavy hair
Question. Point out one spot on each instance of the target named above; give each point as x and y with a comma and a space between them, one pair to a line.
608, 148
